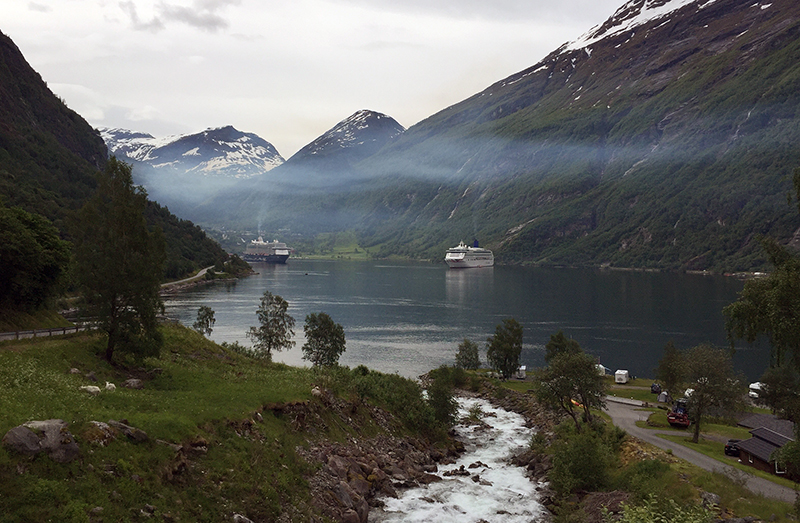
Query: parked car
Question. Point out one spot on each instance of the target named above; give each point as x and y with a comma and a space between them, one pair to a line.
731, 449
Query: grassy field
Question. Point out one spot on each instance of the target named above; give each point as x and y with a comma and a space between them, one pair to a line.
197, 394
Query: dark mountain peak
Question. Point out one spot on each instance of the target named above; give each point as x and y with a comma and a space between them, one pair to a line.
358, 136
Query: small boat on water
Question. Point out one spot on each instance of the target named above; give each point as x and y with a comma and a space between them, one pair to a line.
267, 252
464, 256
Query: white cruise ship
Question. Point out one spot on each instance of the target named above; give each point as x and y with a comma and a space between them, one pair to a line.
464, 256
269, 252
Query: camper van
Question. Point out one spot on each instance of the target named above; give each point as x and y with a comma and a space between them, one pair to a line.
622, 376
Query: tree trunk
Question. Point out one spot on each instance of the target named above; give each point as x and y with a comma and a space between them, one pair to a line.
696, 434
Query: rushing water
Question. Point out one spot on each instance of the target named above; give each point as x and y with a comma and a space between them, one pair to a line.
409, 317
492, 491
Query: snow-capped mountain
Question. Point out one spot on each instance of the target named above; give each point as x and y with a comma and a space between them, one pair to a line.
358, 136
221, 152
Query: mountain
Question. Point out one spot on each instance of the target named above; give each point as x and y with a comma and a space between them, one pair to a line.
50, 156
663, 138
297, 194
221, 152
355, 138
183, 171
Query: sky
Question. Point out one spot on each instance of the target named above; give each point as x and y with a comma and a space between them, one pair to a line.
286, 70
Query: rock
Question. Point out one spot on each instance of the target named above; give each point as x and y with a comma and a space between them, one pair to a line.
50, 436
710, 500
350, 516
360, 486
133, 383
22, 440
338, 466
91, 376
343, 492
99, 433
73, 370
133, 433
238, 518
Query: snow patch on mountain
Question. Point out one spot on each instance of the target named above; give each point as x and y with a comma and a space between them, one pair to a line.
217, 152
631, 15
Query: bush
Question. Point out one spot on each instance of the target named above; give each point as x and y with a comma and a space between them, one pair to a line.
580, 462
655, 510
440, 396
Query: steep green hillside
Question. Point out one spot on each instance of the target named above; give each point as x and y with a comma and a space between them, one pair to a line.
49, 157
215, 433
664, 146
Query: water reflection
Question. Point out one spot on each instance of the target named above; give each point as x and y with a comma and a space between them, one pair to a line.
463, 285
410, 317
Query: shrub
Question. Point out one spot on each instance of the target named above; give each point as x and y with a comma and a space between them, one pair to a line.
580, 462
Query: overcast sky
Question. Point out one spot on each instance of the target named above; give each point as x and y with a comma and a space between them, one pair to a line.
287, 70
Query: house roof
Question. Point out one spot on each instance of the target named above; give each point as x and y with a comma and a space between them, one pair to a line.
781, 426
763, 443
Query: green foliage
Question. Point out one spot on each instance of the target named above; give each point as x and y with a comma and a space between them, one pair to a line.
788, 457
709, 371
33, 260
324, 340
205, 320
780, 390
276, 326
399, 395
580, 462
467, 355
770, 307
570, 383
503, 349
440, 396
560, 344
654, 511
671, 370
120, 263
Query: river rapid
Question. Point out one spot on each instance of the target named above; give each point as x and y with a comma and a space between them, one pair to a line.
485, 486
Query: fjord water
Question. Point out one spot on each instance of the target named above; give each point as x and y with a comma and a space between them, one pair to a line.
409, 317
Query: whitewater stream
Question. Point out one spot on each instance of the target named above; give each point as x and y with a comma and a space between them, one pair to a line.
493, 491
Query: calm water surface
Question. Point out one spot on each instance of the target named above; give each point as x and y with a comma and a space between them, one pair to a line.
409, 317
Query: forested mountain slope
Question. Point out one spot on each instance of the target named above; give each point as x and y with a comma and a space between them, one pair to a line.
49, 156
660, 143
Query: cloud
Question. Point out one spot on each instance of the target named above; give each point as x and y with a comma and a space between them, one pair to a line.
201, 14
152, 26
33, 6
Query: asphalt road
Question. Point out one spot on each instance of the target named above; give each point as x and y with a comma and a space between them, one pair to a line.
625, 416
196, 277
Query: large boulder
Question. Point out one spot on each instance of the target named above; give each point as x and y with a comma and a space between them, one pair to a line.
51, 436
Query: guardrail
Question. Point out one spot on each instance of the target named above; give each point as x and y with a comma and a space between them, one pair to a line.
59, 331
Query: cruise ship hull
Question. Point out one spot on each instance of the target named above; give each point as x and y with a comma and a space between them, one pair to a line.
266, 258
465, 257
469, 263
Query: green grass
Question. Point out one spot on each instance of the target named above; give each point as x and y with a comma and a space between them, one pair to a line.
196, 391
715, 449
42, 319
